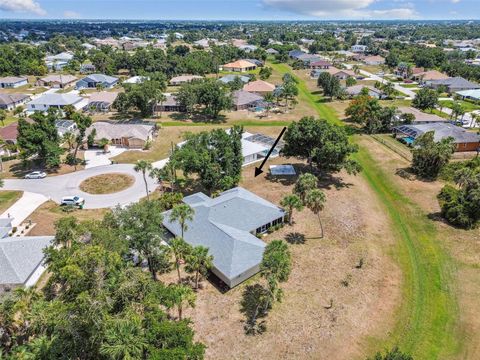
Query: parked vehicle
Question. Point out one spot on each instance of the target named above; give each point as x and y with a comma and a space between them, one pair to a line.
36, 175
73, 201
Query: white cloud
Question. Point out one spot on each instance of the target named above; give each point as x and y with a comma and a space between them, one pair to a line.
30, 6
455, 1
341, 9
69, 14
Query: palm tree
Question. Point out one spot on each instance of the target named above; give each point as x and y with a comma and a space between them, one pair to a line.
144, 166
69, 138
199, 262
180, 250
356, 69
315, 201
291, 202
158, 98
3, 116
304, 184
181, 296
182, 213
124, 339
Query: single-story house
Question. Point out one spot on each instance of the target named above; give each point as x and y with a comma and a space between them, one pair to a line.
47, 100
428, 76
136, 80
357, 89
91, 81
11, 101
9, 133
295, 54
127, 134
464, 140
229, 78
320, 64
454, 84
469, 94
257, 62
87, 69
101, 101
247, 48
374, 60
307, 59
57, 81
256, 146
170, 104
227, 225
260, 87
271, 51
239, 66
9, 82
359, 48
182, 79
244, 100
65, 126
21, 260
59, 61
420, 116
341, 74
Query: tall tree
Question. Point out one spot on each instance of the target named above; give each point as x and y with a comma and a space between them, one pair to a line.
199, 261
304, 184
144, 167
315, 201
182, 213
425, 99
180, 250
275, 267
291, 202
83, 122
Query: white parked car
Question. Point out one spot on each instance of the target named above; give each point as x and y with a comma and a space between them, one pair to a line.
73, 200
36, 175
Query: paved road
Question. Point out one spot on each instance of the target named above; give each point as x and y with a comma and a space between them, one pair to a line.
408, 92
56, 187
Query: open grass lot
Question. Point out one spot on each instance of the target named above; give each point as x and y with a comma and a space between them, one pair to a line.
8, 198
47, 214
107, 183
300, 326
467, 105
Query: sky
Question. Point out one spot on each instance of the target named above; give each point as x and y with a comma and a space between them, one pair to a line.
241, 9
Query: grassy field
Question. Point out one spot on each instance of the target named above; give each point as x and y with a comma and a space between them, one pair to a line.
8, 198
428, 311
467, 105
107, 183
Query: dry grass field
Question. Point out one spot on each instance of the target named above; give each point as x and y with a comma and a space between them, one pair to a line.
107, 183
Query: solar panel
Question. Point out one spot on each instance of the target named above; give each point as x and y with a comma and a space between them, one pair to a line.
278, 170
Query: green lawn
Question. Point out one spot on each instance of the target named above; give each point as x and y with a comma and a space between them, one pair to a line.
467, 105
8, 198
427, 315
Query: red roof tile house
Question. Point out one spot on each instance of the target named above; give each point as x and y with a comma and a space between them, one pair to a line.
239, 66
259, 87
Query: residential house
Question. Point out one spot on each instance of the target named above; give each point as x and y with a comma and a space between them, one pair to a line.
11, 101
244, 100
126, 134
11, 82
101, 101
259, 87
469, 94
256, 146
87, 69
65, 126
227, 225
257, 62
374, 60
320, 64
229, 78
239, 66
464, 140
454, 84
91, 81
271, 51
355, 90
425, 77
22, 260
420, 116
307, 59
9, 133
59, 61
170, 104
248, 48
136, 80
48, 100
182, 79
57, 81
341, 74
295, 54
359, 48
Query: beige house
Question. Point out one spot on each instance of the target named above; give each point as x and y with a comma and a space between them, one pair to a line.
182, 79
259, 87
239, 66
57, 81
126, 134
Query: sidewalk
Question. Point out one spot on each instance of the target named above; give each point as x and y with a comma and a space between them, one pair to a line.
24, 207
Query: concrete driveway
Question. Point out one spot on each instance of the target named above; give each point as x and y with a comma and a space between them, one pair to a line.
56, 187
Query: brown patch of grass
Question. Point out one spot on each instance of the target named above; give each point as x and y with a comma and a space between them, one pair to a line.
8, 198
48, 213
107, 183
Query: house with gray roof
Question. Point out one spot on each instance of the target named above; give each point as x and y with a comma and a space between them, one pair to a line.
227, 225
454, 84
91, 81
11, 101
464, 140
59, 101
231, 77
244, 100
21, 260
11, 82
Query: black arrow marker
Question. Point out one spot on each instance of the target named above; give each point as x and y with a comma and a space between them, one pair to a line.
258, 170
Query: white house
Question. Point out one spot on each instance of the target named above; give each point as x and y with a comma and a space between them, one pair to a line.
45, 101
10, 82
359, 48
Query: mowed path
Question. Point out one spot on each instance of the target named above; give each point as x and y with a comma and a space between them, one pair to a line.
427, 317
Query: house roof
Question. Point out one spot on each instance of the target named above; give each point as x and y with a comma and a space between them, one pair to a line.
442, 130
241, 97
240, 64
259, 86
62, 79
116, 131
229, 78
170, 100
185, 78
103, 96
320, 63
431, 75
12, 79
100, 78
8, 99
20, 257
223, 225
63, 56
136, 80
374, 58
474, 94
53, 99
457, 82
9, 132
420, 116
357, 89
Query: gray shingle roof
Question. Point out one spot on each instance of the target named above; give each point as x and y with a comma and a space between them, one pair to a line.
8, 99
56, 99
229, 78
20, 257
100, 78
241, 97
442, 130
224, 225
457, 82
